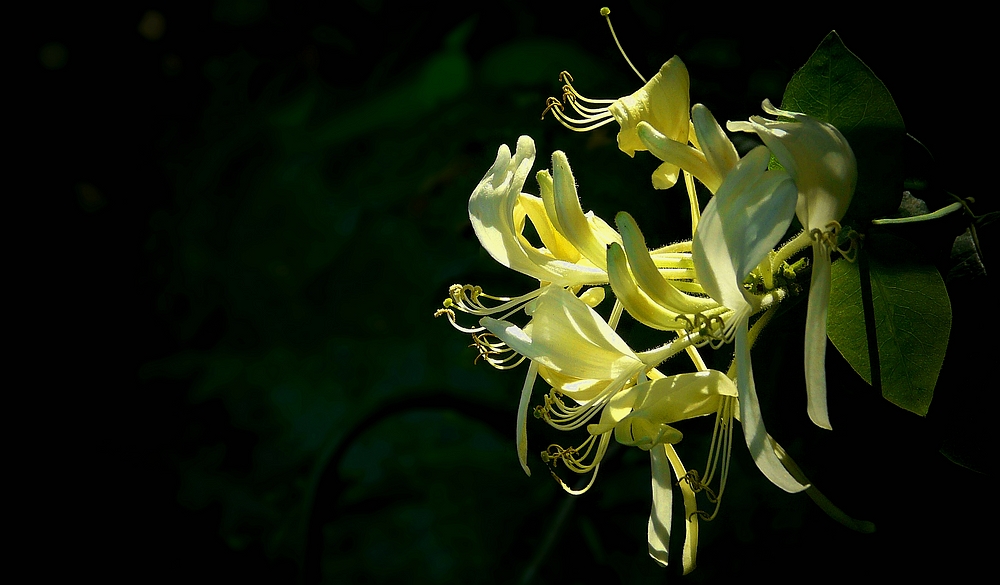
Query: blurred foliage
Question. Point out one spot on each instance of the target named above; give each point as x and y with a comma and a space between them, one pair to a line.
284, 204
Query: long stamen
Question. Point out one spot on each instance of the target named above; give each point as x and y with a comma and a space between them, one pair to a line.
570, 92
585, 123
560, 416
719, 452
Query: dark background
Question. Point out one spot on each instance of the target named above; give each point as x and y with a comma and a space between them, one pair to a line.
244, 215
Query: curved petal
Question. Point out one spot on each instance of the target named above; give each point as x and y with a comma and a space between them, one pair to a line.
496, 211
719, 151
553, 241
637, 303
753, 424
818, 158
690, 553
582, 391
575, 224
815, 358
661, 514
745, 219
713, 263
661, 402
522, 417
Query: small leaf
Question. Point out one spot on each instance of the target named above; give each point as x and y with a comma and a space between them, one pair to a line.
912, 316
837, 87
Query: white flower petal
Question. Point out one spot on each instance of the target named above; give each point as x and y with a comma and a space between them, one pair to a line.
497, 209
746, 218
522, 417
753, 424
658, 527
815, 358
719, 150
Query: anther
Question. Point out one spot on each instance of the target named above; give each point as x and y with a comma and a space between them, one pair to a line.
550, 103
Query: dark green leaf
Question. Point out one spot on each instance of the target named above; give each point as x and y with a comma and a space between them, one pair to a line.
912, 315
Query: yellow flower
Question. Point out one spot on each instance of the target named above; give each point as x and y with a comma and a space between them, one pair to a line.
581, 356
822, 164
662, 103
652, 407
586, 362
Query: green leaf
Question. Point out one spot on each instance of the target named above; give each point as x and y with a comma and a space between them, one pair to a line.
912, 315
845, 323
837, 87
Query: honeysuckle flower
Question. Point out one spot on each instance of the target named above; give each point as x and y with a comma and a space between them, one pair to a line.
651, 408
822, 164
581, 356
584, 360
662, 103
745, 219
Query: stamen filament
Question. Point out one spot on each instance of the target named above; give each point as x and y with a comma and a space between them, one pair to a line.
585, 124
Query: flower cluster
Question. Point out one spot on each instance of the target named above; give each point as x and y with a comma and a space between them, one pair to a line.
705, 291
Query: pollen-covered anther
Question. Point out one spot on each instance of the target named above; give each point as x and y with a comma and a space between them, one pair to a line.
544, 411
468, 298
554, 453
693, 479
711, 329
854, 240
827, 236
